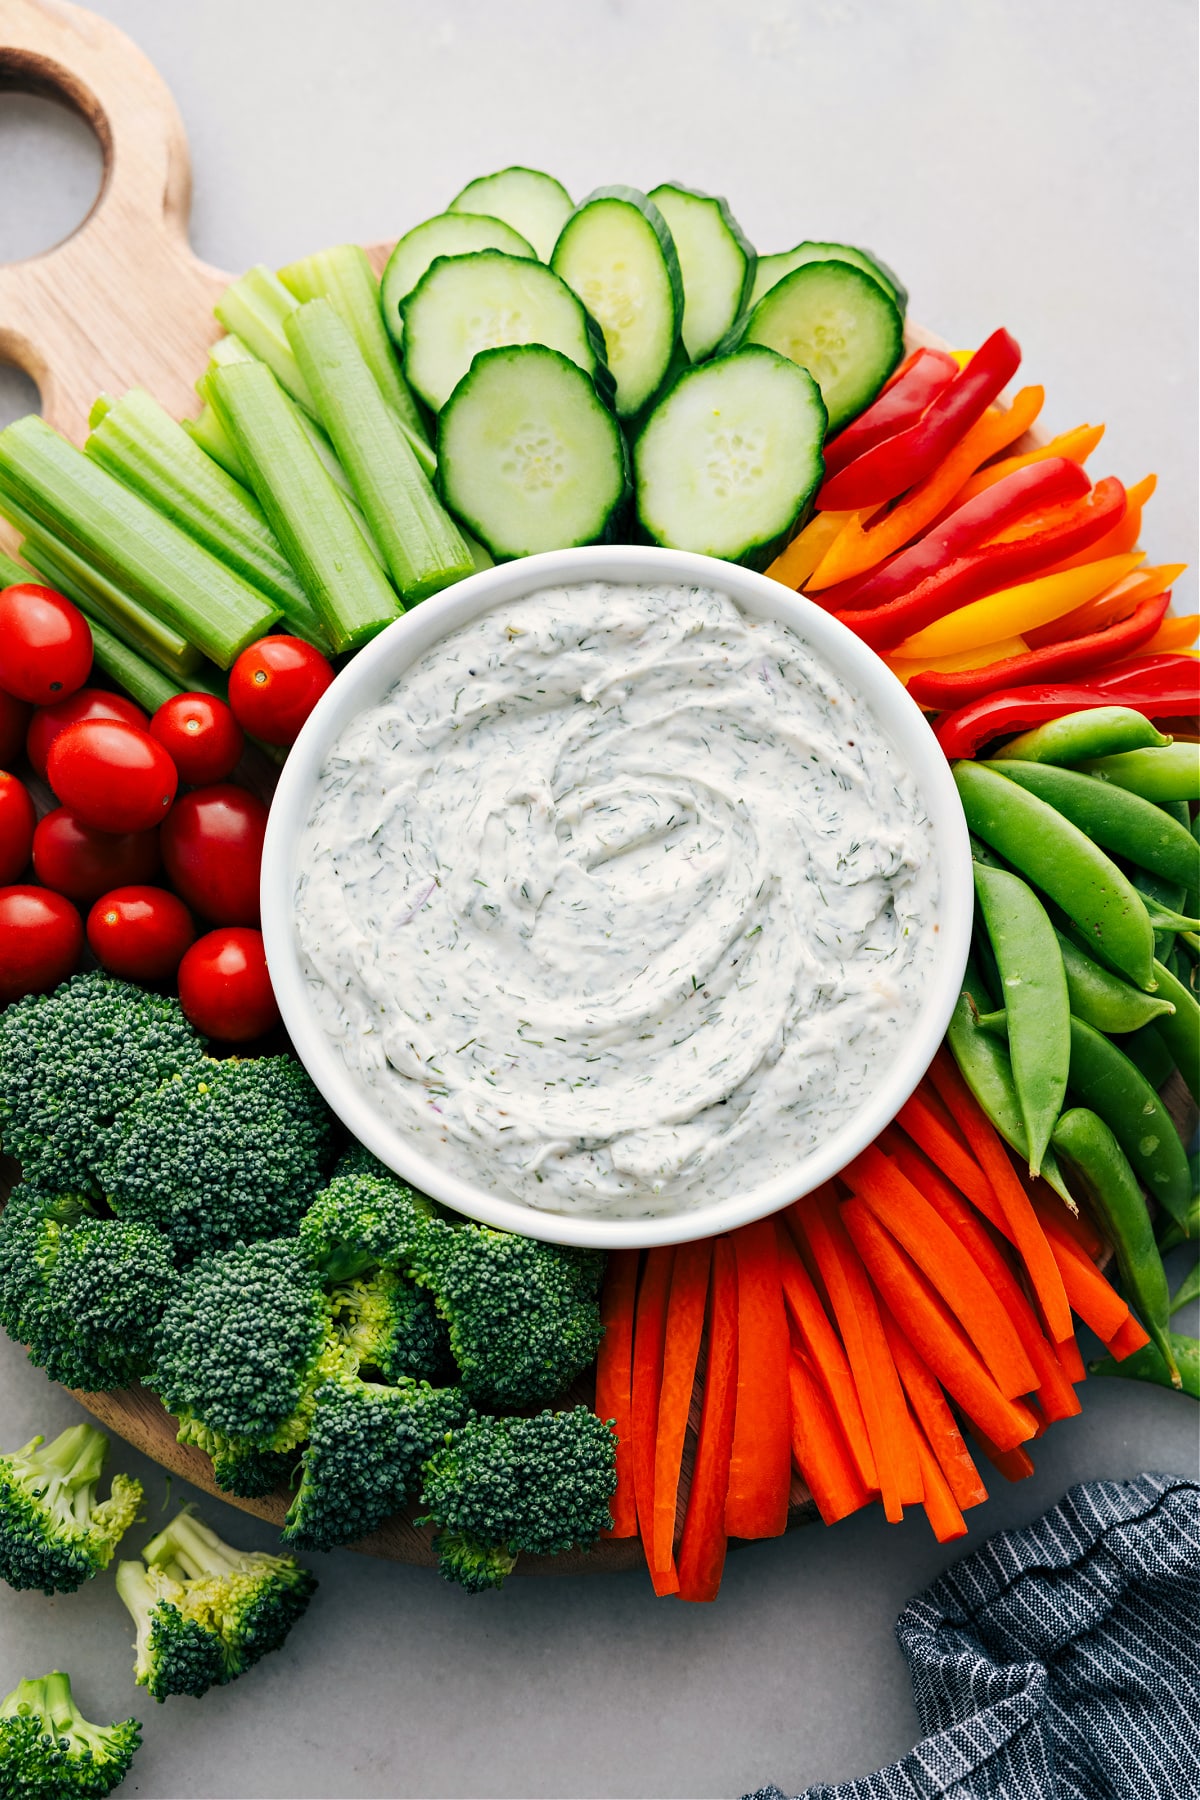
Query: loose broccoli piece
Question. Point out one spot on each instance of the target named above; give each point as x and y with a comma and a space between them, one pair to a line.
206, 1612
243, 1343
365, 1456
366, 1218
390, 1326
501, 1486
71, 1060
54, 1534
523, 1316
229, 1152
49, 1751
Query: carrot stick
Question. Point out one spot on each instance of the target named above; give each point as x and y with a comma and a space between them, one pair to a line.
649, 1335
1069, 1356
760, 1468
819, 1450
947, 1263
893, 1441
992, 1158
933, 1332
1076, 1224
935, 1419
614, 1379
1015, 1464
1098, 1305
702, 1551
685, 1322
941, 1508
1127, 1339
944, 1150
828, 1357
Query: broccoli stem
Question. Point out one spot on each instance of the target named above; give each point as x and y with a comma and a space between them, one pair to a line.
28, 1697
67, 1720
189, 1542
133, 1586
70, 1468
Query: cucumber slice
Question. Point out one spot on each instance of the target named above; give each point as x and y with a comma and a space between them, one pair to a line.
532, 203
717, 262
772, 269
730, 460
449, 234
617, 253
464, 304
838, 324
529, 457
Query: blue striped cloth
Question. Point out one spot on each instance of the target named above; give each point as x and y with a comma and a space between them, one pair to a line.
1061, 1662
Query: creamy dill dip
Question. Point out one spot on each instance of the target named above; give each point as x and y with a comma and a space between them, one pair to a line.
619, 902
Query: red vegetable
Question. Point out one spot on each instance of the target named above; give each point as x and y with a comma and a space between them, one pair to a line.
760, 1469
1162, 687
41, 936
112, 775
649, 1334
702, 1549
139, 933
18, 817
614, 1379
82, 863
274, 685
212, 847
925, 375
224, 987
45, 644
681, 1348
901, 461
14, 722
88, 703
200, 735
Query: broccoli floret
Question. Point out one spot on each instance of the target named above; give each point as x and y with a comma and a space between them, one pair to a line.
523, 1316
365, 1455
230, 1152
71, 1060
24, 1302
243, 1343
54, 1534
250, 1473
392, 1327
498, 1487
366, 1218
49, 1751
206, 1612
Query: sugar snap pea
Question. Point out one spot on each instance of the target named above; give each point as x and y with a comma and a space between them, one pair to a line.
1165, 918
1169, 1232
1169, 773
1105, 1079
1147, 1364
1034, 988
1113, 817
1180, 1030
1088, 1146
1060, 860
1103, 731
1101, 998
1147, 1052
1188, 1289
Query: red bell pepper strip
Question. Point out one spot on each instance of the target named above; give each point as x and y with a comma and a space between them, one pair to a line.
1057, 662
922, 378
1159, 692
1176, 675
901, 461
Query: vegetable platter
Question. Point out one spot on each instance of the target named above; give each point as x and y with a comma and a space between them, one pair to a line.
936, 443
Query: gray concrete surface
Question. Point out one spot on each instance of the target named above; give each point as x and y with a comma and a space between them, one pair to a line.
1018, 164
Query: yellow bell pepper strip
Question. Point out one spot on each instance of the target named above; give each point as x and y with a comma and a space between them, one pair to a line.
1175, 634
1014, 611
1114, 604
794, 565
856, 549
1078, 444
982, 657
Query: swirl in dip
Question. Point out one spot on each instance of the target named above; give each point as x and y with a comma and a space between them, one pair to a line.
619, 901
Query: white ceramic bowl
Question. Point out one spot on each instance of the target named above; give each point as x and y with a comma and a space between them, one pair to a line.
365, 682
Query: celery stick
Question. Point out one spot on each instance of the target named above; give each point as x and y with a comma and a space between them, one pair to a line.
139, 442
305, 509
481, 558
423, 548
140, 679
254, 308
207, 431
100, 600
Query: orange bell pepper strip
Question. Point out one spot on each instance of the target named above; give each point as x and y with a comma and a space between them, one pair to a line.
857, 549
1015, 610
1078, 444
1174, 634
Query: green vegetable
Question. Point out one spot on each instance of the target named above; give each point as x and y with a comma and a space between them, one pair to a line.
1076, 736
449, 234
716, 263
305, 510
1147, 1052
11, 573
1180, 1032
1171, 1232
1034, 985
421, 545
1169, 773
1188, 1289
365, 1218
531, 202
500, 1487
54, 1533
391, 1327
1148, 1364
49, 1751
230, 1150
1102, 999
1120, 821
1110, 1084
131, 543
772, 269
206, 1612
207, 432
128, 670
253, 309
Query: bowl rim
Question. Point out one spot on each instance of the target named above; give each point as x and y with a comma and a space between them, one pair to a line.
380, 664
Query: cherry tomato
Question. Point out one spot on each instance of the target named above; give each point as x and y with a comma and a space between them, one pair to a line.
45, 644
81, 863
18, 816
200, 735
41, 936
274, 685
139, 933
224, 987
112, 775
212, 847
88, 703
14, 723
